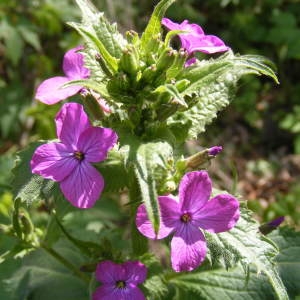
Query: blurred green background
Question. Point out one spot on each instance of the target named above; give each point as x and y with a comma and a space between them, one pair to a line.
260, 131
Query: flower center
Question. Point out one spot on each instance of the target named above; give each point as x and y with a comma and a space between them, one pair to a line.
120, 284
79, 155
185, 218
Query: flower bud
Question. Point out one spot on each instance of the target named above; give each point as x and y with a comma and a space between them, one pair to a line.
166, 59
270, 226
215, 150
129, 61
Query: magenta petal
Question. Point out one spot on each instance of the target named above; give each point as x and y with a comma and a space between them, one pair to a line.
219, 214
83, 186
170, 25
95, 143
194, 190
188, 248
73, 64
108, 272
50, 91
71, 121
133, 294
136, 272
207, 44
53, 161
106, 292
170, 216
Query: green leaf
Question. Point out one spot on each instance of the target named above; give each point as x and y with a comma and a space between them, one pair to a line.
154, 25
107, 33
42, 277
90, 37
220, 284
212, 86
25, 185
114, 172
150, 157
244, 244
288, 259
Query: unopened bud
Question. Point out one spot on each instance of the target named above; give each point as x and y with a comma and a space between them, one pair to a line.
132, 37
166, 59
270, 226
129, 61
215, 150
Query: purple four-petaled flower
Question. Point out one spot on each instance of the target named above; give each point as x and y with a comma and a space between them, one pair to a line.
69, 161
119, 281
195, 39
50, 91
184, 216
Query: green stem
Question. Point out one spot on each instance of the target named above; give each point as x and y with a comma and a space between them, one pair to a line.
66, 263
139, 242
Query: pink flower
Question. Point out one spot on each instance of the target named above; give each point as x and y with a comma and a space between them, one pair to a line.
119, 282
50, 91
185, 216
196, 40
69, 161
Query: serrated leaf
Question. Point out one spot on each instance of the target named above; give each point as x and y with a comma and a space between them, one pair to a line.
154, 25
244, 244
25, 185
90, 37
212, 86
149, 157
107, 33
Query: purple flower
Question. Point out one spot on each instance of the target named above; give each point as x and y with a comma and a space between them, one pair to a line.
50, 91
69, 161
215, 150
184, 216
270, 226
119, 282
195, 39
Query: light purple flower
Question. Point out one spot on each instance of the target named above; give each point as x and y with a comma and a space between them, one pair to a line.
119, 282
215, 150
69, 161
184, 216
50, 91
195, 39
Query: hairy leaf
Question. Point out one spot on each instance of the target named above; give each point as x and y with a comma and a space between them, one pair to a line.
150, 157
25, 185
154, 25
212, 86
244, 244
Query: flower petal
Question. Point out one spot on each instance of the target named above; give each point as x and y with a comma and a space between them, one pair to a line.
73, 64
207, 44
71, 121
171, 25
53, 161
219, 214
95, 142
83, 186
136, 272
169, 219
133, 294
108, 272
188, 248
106, 292
194, 190
50, 91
